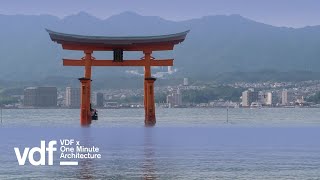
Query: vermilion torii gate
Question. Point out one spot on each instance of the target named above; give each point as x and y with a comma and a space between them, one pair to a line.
89, 44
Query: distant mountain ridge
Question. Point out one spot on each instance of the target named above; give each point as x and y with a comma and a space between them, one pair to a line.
216, 44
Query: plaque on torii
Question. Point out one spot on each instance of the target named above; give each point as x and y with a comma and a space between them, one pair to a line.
89, 44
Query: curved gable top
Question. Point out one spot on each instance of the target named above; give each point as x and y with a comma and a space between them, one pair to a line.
170, 39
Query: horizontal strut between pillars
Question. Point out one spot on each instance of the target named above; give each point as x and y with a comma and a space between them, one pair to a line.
160, 62
152, 47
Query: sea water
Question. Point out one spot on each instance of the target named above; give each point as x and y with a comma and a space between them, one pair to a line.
185, 144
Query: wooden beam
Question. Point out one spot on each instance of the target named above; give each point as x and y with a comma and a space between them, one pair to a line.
72, 62
152, 47
123, 63
160, 62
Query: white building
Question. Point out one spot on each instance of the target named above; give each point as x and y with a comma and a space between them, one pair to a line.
175, 98
248, 97
72, 97
266, 99
284, 97
185, 81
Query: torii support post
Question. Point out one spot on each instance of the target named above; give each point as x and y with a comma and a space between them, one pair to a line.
149, 107
150, 113
85, 113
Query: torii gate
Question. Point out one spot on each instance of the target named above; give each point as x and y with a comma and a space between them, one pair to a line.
89, 44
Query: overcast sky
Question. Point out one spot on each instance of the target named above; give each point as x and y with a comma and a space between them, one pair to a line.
291, 13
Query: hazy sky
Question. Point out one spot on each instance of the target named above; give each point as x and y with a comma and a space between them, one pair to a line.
292, 13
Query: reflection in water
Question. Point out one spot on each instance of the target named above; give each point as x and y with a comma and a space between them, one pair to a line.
86, 169
149, 170
86, 165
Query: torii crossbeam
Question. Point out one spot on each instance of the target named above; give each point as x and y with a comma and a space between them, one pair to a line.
89, 44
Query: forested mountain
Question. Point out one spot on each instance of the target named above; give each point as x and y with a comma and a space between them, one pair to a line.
215, 44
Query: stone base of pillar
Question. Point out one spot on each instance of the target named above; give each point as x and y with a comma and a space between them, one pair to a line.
150, 123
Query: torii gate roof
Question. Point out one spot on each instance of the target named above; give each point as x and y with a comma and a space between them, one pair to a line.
105, 43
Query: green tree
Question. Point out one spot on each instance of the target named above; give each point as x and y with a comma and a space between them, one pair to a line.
315, 98
8, 100
211, 93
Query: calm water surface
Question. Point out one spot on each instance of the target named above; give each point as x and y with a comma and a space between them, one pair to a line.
185, 144
166, 117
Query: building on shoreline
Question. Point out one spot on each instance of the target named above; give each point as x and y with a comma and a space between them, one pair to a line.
248, 97
284, 97
185, 81
72, 97
266, 98
175, 98
100, 100
40, 97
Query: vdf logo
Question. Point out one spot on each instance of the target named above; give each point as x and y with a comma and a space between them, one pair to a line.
41, 150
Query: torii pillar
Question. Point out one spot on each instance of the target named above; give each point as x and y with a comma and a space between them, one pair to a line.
150, 113
85, 114
149, 106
